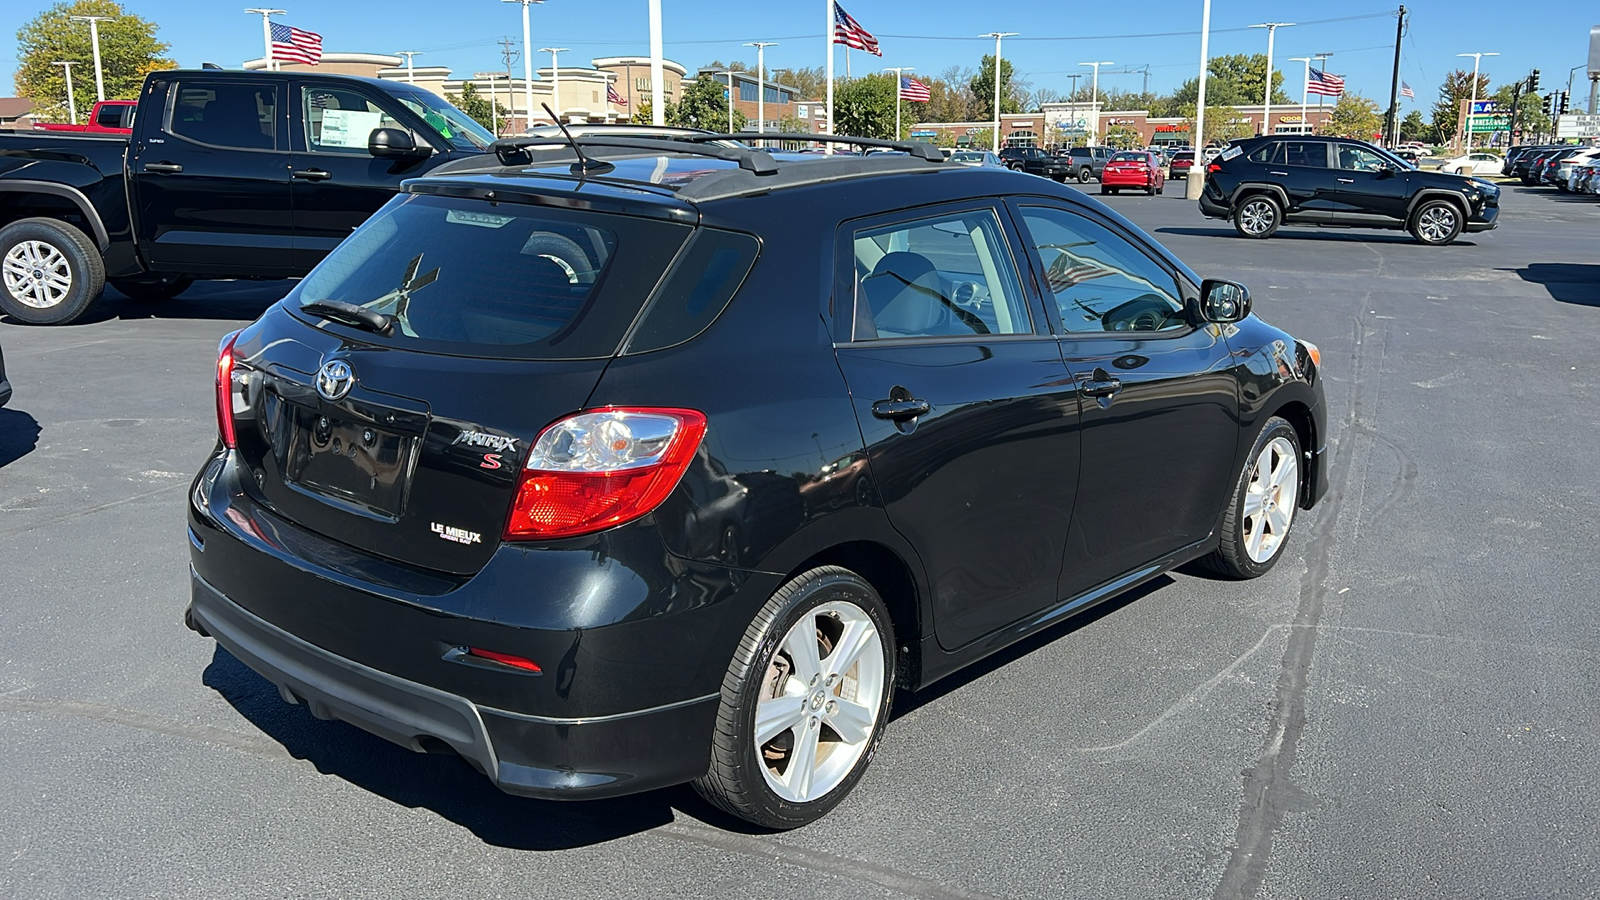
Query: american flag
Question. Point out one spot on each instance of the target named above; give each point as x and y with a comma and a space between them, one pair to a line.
848, 31
1406, 91
1068, 269
613, 97
914, 91
1325, 84
293, 45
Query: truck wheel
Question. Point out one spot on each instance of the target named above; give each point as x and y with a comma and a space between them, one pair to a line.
50, 271
1085, 175
153, 287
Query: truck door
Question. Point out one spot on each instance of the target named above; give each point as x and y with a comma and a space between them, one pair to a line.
336, 182
210, 178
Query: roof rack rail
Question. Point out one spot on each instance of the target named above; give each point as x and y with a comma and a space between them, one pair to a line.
514, 151
918, 149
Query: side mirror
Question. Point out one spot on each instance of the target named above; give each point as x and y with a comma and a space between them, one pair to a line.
1385, 171
1224, 301
392, 143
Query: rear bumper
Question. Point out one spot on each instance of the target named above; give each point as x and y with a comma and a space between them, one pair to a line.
1127, 179
1210, 207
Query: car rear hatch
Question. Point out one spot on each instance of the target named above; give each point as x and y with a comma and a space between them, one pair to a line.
499, 319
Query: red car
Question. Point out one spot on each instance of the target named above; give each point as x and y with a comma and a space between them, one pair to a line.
1133, 169
1182, 162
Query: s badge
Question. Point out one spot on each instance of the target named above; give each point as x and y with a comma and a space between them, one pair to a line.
490, 461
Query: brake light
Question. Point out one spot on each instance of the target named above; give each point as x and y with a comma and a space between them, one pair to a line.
1213, 168
227, 387
599, 469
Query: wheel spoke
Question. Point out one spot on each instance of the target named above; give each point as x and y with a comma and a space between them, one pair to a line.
802, 762
1279, 517
1252, 538
801, 642
1283, 470
1254, 502
857, 637
776, 715
851, 720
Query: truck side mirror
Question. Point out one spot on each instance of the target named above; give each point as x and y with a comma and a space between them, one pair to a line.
392, 143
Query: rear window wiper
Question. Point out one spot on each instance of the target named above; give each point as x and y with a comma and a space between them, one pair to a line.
351, 314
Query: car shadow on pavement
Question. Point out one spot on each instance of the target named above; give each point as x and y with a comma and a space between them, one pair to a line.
223, 300
1577, 283
443, 783
19, 435
1312, 234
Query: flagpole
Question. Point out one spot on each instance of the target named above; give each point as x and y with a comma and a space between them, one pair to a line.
899, 91
1305, 89
827, 39
266, 32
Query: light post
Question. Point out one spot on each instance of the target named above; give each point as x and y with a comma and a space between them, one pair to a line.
1266, 102
1197, 172
410, 72
527, 60
266, 32
555, 78
899, 75
729, 73
94, 37
1094, 98
1476, 59
658, 72
494, 99
761, 84
1072, 98
72, 104
1305, 90
997, 35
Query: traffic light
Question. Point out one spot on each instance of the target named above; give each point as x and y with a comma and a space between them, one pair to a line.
1561, 106
1533, 82
1545, 106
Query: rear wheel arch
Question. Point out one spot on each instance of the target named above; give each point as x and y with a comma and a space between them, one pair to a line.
1248, 189
892, 577
24, 199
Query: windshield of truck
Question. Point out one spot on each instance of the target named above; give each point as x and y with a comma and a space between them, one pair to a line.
461, 130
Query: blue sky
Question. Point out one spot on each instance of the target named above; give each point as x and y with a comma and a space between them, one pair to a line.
927, 34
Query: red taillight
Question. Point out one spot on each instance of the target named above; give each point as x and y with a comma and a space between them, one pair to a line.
505, 659
225, 390
1214, 168
599, 469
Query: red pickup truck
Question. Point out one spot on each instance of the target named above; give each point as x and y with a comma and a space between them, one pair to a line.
108, 117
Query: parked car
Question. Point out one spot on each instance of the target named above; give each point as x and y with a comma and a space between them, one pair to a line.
227, 175
1087, 163
107, 117
1565, 165
5, 386
1182, 162
982, 158
1262, 183
1473, 164
1138, 169
1533, 173
1517, 152
528, 468
1034, 161
1583, 176
1409, 156
1550, 171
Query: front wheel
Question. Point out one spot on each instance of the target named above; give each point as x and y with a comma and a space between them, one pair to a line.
1436, 223
1257, 216
804, 701
1261, 512
50, 272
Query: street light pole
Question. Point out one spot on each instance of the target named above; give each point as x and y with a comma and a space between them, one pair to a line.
761, 83
527, 60
1094, 98
729, 73
899, 75
72, 104
1476, 59
494, 100
1305, 90
410, 72
658, 69
997, 35
1266, 102
266, 32
94, 37
555, 78
1197, 172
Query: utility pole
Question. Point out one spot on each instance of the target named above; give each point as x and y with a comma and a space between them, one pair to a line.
410, 72
527, 58
94, 37
1094, 100
997, 35
266, 33
899, 75
72, 104
761, 83
555, 76
1391, 124
508, 52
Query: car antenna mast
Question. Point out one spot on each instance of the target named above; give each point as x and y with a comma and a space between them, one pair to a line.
583, 166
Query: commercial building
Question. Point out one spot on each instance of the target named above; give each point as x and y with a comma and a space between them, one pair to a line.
1067, 124
782, 101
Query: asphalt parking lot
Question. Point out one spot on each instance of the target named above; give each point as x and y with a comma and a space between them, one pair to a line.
1405, 707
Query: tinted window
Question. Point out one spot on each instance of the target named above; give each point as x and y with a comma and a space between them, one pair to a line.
697, 291
1304, 153
1185, 156
1267, 153
339, 120
551, 283
110, 116
1355, 159
1130, 157
1101, 281
226, 114
951, 276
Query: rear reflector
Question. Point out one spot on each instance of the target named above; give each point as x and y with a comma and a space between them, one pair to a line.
505, 659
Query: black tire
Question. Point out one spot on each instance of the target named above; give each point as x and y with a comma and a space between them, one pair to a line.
1436, 222
152, 287
1085, 175
85, 272
736, 779
1151, 190
1233, 557
1257, 216
1107, 190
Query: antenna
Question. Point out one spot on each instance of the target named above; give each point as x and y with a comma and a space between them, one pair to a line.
583, 166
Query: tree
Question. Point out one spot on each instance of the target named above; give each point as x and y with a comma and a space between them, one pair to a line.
1530, 116
642, 113
1121, 137
1234, 79
1457, 87
704, 105
809, 83
1223, 123
483, 110
949, 97
864, 107
982, 85
128, 52
1354, 116
1413, 127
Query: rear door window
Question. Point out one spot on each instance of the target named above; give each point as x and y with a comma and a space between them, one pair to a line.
232, 114
470, 276
1308, 154
1267, 154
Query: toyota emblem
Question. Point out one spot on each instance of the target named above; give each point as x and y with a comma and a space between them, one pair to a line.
335, 379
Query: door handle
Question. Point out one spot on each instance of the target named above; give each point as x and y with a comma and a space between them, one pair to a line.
1345, 180
312, 174
163, 168
896, 410
1284, 174
1101, 384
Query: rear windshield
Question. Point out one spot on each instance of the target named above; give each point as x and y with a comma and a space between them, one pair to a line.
1130, 157
482, 278
1184, 155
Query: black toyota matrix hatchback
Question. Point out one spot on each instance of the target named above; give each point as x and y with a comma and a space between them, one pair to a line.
673, 465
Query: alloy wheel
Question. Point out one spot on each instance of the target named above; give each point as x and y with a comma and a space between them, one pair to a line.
1270, 499
1436, 223
1257, 216
820, 702
36, 274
